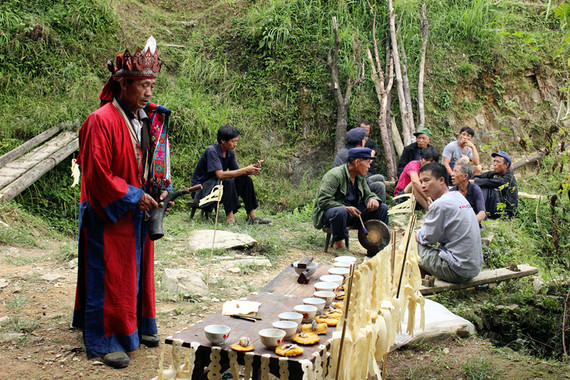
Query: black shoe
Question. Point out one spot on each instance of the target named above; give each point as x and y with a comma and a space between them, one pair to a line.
117, 359
150, 340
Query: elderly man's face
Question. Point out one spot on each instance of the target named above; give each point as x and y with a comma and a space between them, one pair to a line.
458, 176
500, 165
422, 140
137, 93
362, 165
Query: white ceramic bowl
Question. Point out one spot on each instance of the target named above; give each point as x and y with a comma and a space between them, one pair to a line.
217, 334
312, 268
342, 264
291, 316
326, 295
328, 286
349, 259
272, 338
318, 302
290, 327
332, 278
309, 312
339, 271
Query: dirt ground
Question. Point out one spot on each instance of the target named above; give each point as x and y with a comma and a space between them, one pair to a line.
36, 341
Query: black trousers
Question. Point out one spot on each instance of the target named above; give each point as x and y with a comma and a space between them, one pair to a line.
234, 188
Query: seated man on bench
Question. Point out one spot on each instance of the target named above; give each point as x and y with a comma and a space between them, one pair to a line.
218, 164
449, 241
344, 195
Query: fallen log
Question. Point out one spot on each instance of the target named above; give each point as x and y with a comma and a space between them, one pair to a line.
529, 160
28, 145
33, 174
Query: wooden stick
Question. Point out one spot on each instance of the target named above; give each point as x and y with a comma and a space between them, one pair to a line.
410, 231
345, 319
215, 228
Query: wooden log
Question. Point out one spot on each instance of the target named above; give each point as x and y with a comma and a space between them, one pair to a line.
485, 277
28, 145
32, 175
529, 160
18, 167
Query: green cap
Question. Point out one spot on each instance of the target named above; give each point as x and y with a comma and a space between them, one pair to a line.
425, 131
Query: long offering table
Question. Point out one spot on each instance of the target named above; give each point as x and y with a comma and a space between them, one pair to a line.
280, 295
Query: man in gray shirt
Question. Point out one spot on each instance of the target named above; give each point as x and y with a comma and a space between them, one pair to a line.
450, 223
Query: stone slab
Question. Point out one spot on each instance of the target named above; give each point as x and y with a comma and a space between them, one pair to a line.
202, 239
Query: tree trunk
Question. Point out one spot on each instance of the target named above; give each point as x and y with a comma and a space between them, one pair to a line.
421, 73
342, 101
407, 135
406, 85
382, 92
396, 137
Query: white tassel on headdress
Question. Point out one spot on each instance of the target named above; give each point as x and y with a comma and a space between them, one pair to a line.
150, 44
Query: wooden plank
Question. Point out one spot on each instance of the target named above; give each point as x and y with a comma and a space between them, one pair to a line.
25, 147
22, 165
23, 182
485, 277
286, 282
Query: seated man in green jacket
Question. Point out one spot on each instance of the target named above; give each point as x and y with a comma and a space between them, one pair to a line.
344, 195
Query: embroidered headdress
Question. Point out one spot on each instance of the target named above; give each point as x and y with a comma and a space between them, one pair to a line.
143, 64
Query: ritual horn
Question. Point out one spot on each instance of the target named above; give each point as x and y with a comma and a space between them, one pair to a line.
155, 223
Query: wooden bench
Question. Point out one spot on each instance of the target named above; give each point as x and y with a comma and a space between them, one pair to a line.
329, 242
485, 277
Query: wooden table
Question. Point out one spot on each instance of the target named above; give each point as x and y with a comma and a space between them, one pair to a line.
280, 295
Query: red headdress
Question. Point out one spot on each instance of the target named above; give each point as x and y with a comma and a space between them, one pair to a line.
143, 64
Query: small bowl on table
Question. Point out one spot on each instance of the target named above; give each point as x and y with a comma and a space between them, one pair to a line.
332, 278
309, 312
328, 286
312, 267
315, 301
291, 316
345, 259
290, 327
339, 271
217, 334
328, 296
272, 337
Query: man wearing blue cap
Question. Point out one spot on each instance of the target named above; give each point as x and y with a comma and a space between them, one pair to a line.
499, 187
344, 195
355, 138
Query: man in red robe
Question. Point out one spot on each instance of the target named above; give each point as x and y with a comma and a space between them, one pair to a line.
115, 299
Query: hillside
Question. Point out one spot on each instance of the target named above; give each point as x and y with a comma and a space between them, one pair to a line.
261, 65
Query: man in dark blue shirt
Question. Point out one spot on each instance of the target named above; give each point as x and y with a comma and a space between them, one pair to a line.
218, 164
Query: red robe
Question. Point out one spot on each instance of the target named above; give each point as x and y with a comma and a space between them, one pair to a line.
115, 299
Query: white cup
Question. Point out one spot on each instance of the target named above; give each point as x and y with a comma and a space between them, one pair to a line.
328, 286
272, 338
332, 278
309, 312
217, 334
318, 302
290, 327
291, 316
326, 295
